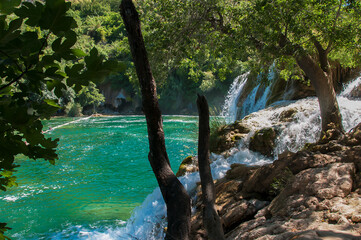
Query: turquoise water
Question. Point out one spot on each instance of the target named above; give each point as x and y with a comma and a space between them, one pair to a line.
102, 174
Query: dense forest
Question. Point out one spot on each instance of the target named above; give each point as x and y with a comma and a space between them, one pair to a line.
79, 57
179, 75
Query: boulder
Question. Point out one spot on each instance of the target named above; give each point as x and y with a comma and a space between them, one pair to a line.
287, 115
189, 164
314, 184
356, 92
227, 136
263, 141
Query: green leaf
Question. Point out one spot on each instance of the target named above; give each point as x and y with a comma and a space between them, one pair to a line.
7, 6
56, 45
15, 24
70, 40
52, 103
32, 12
78, 53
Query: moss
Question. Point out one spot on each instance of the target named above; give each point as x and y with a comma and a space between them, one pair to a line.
183, 166
280, 182
226, 136
263, 141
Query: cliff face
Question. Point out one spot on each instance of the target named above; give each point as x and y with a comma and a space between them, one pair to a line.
118, 101
312, 194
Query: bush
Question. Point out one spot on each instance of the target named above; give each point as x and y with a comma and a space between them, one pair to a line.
73, 109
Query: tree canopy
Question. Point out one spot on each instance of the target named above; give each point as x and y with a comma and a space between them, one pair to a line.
308, 36
256, 30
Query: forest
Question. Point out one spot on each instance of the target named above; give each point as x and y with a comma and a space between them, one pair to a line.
276, 85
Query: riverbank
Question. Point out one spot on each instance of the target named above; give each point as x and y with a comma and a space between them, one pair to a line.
312, 194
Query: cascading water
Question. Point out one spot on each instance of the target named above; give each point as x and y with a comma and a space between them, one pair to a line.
229, 109
251, 104
148, 220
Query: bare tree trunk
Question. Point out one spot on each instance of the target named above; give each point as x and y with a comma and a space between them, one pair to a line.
211, 219
174, 194
323, 84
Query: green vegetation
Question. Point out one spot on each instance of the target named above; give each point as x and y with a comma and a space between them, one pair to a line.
279, 183
309, 37
56, 54
38, 61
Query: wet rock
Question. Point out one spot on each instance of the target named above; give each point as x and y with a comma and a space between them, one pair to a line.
227, 136
263, 141
356, 92
189, 164
319, 194
287, 115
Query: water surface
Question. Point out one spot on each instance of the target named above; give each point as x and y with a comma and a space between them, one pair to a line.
102, 174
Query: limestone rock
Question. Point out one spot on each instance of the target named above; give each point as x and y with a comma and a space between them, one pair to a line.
189, 164
356, 92
334, 180
287, 115
226, 137
263, 141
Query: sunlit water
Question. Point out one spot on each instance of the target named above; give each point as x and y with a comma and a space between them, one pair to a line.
149, 219
102, 174
90, 193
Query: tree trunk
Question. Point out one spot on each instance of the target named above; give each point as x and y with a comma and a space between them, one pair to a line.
174, 194
323, 84
211, 219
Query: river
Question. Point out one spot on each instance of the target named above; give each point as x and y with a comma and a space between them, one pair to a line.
102, 174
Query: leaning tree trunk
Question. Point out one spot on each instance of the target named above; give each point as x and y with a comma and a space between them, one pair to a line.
211, 220
174, 194
323, 84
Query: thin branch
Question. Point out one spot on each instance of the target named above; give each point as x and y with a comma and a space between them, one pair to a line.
6, 55
14, 80
23, 72
338, 14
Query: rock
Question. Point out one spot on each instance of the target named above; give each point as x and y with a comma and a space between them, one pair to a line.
226, 137
189, 164
239, 171
297, 89
334, 180
356, 218
287, 115
263, 141
237, 212
356, 92
318, 196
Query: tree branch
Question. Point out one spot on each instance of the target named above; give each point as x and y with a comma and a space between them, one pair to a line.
14, 80
322, 54
23, 72
338, 14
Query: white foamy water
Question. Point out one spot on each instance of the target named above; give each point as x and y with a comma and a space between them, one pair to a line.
350, 86
229, 109
148, 220
68, 123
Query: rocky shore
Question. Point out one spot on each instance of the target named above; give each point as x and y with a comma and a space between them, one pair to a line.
312, 194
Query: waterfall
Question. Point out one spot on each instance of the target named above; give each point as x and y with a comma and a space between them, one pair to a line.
347, 89
229, 109
148, 220
251, 104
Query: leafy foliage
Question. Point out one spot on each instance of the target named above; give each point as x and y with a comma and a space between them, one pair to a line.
257, 32
90, 95
37, 56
